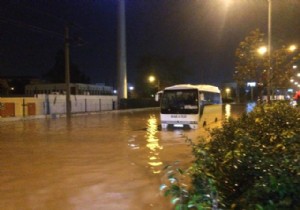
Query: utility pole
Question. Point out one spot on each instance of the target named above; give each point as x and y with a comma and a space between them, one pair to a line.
67, 72
122, 72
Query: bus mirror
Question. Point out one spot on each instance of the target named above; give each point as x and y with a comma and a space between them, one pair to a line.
157, 97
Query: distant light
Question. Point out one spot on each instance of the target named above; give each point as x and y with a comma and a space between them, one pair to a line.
296, 83
251, 84
294, 66
115, 91
292, 80
290, 90
12, 88
131, 88
298, 75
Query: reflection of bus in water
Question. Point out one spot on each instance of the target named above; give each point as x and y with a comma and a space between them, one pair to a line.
189, 105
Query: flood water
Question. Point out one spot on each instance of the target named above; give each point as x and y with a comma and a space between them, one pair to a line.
110, 161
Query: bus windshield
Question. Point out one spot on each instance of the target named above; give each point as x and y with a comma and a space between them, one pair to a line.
180, 102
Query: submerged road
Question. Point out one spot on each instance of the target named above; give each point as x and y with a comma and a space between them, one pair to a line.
110, 161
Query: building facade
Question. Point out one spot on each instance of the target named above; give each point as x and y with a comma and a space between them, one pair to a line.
75, 88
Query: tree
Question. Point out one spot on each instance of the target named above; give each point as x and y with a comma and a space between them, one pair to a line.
252, 66
57, 73
167, 71
283, 60
249, 65
4, 87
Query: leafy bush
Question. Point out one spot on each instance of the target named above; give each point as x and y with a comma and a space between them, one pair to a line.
249, 163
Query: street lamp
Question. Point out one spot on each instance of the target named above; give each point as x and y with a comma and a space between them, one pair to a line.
292, 48
269, 50
130, 91
227, 92
262, 50
152, 79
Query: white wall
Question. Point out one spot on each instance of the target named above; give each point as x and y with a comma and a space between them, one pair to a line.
56, 104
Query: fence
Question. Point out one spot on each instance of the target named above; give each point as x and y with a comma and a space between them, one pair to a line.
48, 104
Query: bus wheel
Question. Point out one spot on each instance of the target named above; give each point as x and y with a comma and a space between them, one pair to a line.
204, 123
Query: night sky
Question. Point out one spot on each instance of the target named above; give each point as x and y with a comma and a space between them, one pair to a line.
204, 32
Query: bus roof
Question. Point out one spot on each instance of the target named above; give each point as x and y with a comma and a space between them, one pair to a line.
201, 87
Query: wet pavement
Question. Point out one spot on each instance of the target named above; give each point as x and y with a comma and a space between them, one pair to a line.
104, 161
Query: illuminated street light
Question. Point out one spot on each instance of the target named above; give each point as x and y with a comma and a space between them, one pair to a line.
151, 78
131, 91
262, 50
292, 48
227, 90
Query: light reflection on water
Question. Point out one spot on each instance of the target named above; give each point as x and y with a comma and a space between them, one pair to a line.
250, 107
153, 144
235, 110
227, 111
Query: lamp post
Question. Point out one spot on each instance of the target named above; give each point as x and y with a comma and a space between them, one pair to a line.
269, 71
227, 90
262, 51
152, 79
251, 85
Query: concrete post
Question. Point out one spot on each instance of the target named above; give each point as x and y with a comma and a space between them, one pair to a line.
122, 71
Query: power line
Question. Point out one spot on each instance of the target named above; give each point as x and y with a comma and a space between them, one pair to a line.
29, 26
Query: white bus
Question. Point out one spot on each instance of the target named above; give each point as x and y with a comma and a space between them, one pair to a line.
189, 105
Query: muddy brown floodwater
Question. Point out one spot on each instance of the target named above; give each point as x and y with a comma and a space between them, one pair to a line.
110, 161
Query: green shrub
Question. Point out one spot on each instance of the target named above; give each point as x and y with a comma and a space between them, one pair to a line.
249, 163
